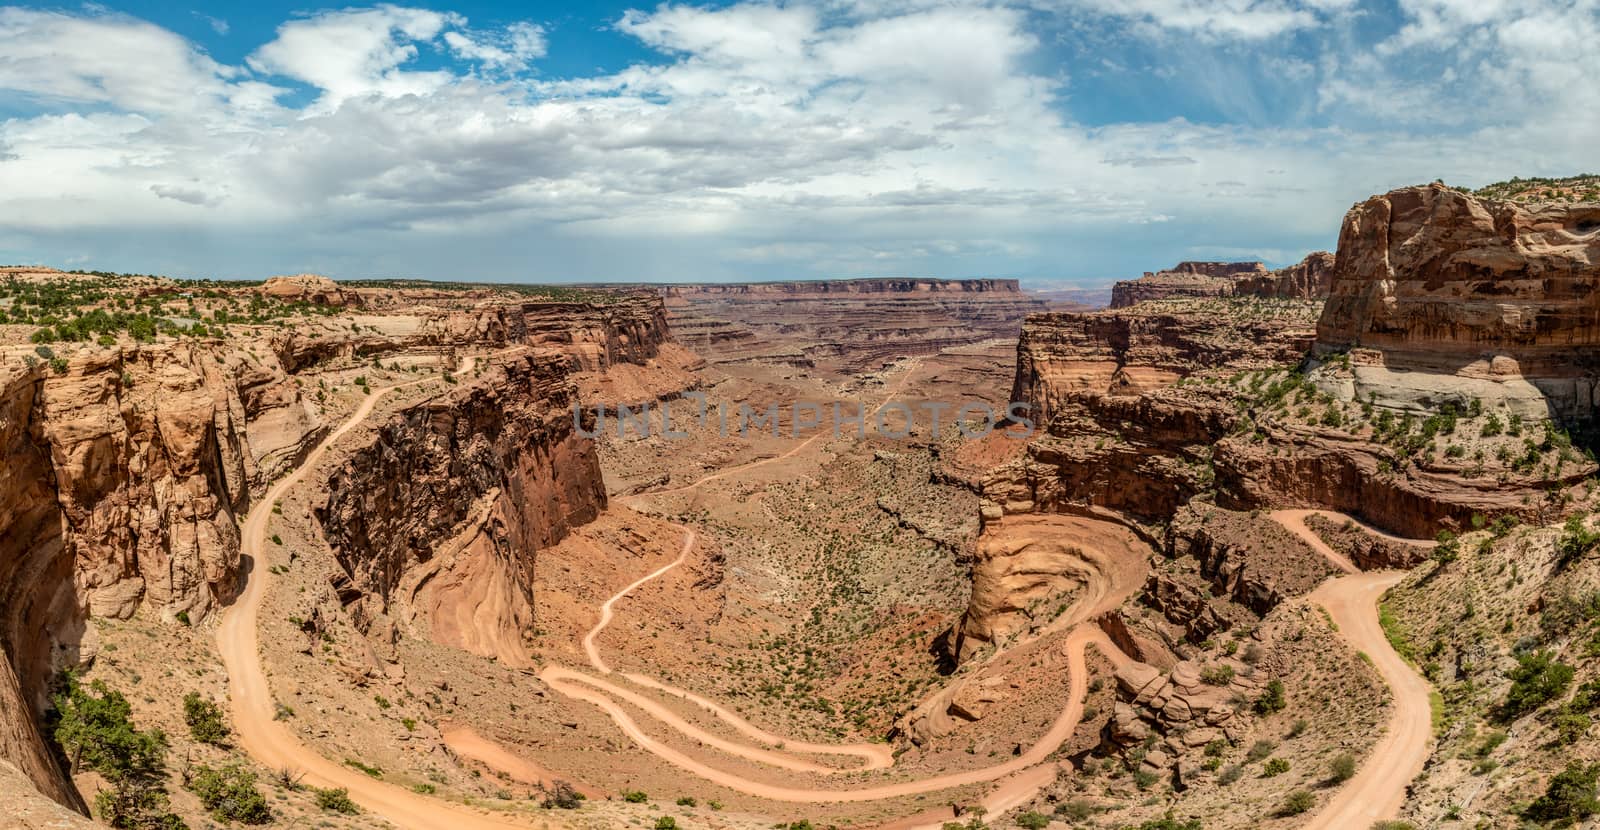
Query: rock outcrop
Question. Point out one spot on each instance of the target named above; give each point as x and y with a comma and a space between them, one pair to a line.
448, 506
306, 288
1146, 347
1306, 280
1442, 295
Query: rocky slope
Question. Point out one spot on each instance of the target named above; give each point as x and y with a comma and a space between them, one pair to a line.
1305, 280
859, 323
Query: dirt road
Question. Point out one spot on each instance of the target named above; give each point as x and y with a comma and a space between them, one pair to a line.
250, 700
1378, 790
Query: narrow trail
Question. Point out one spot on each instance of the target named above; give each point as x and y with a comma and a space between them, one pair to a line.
250, 700
1378, 790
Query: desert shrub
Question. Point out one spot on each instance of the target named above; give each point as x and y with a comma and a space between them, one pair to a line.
229, 793
1274, 766
666, 823
1075, 810
1220, 674
1230, 774
561, 795
204, 718
1538, 679
1033, 821
1297, 802
1273, 699
1343, 768
635, 796
336, 800
1260, 750
1568, 797
94, 728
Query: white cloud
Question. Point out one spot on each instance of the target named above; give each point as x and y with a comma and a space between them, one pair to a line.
356, 52
104, 59
824, 137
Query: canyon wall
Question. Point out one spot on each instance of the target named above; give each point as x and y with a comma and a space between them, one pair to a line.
124, 475
856, 322
1438, 293
127, 468
629, 328
447, 506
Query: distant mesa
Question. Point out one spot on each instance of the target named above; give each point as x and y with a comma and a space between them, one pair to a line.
1308, 279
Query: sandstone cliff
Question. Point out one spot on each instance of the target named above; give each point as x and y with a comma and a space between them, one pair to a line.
858, 323
1127, 351
124, 476
446, 509
1441, 293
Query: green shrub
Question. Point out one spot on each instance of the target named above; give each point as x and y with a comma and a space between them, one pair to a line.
336, 800
1220, 674
1033, 821
204, 718
687, 801
1343, 768
1297, 802
1273, 699
1568, 797
94, 728
666, 823
1538, 679
229, 793
1274, 766
635, 796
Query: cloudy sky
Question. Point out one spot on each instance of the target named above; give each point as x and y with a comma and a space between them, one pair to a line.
1074, 140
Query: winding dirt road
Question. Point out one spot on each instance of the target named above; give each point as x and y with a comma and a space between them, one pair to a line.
1375, 793
252, 707
1378, 790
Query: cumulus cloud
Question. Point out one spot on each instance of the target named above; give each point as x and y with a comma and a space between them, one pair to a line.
817, 137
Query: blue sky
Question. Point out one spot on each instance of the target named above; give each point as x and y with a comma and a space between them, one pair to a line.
1071, 141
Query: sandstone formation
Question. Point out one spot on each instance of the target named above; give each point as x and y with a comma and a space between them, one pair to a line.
307, 288
1440, 295
1308, 279
1126, 351
498, 469
858, 323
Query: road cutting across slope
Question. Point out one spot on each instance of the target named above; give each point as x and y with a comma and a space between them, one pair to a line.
250, 701
1378, 790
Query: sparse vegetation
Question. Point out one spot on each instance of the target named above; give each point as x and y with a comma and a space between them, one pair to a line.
204, 718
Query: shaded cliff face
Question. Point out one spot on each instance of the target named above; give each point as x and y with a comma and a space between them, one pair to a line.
1500, 296
445, 510
1306, 280
855, 322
